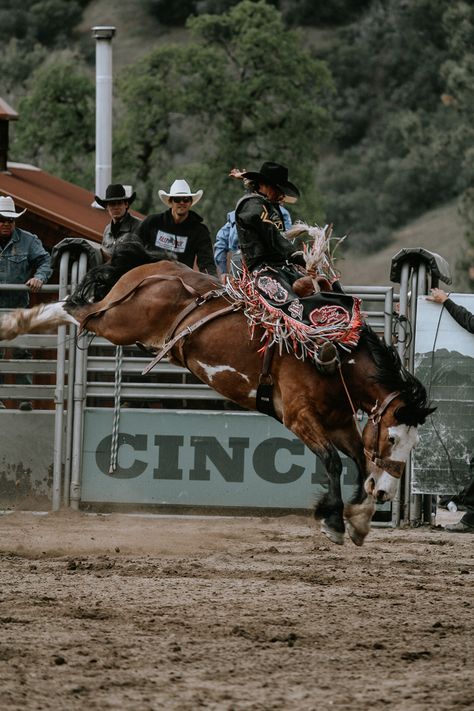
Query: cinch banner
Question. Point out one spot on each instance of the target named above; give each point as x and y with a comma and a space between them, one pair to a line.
444, 362
202, 459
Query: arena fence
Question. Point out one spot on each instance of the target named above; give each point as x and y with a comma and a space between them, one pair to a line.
105, 435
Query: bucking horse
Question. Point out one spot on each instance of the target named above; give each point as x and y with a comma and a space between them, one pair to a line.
166, 307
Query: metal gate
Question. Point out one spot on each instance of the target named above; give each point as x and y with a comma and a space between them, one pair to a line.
171, 424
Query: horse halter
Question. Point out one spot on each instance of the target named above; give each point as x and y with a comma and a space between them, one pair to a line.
392, 466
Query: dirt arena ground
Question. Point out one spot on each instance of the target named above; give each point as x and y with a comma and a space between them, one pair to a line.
147, 613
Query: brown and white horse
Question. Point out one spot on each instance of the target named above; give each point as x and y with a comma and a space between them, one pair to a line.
167, 303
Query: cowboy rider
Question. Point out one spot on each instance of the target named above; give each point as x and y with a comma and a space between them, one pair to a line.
260, 225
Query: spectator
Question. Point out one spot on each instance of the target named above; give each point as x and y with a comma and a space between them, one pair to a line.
466, 497
179, 229
23, 260
117, 201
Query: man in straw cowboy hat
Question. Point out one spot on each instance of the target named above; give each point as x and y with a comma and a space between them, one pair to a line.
179, 229
23, 260
270, 259
117, 201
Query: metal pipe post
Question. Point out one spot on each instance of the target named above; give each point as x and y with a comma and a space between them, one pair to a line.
59, 390
103, 108
79, 399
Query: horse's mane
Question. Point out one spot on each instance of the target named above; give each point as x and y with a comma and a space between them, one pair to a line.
392, 374
128, 253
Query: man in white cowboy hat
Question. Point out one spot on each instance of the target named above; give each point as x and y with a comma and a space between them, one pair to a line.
23, 260
117, 201
179, 229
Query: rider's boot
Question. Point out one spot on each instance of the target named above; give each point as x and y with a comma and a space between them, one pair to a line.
327, 358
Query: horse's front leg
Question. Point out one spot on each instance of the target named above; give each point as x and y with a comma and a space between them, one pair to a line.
304, 422
330, 507
359, 510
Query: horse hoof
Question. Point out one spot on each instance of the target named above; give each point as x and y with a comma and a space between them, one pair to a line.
334, 536
354, 535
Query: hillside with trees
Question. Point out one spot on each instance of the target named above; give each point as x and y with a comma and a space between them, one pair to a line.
368, 102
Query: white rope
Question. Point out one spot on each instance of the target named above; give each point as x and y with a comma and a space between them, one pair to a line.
116, 420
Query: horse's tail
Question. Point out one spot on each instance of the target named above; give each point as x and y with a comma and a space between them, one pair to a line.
128, 253
44, 318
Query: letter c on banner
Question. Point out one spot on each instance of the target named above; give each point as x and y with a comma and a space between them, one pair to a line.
102, 456
265, 455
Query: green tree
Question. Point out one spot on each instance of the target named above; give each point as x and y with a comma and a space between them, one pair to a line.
245, 91
56, 126
49, 22
457, 73
399, 144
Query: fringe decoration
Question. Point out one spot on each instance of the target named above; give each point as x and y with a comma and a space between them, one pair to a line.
316, 251
288, 334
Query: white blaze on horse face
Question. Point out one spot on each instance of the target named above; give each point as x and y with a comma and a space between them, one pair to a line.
404, 439
211, 371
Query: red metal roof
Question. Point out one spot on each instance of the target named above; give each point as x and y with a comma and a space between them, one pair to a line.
6, 111
65, 205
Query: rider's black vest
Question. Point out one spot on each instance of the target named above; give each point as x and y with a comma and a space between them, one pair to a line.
259, 232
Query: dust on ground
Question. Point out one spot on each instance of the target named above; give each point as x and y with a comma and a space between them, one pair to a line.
147, 613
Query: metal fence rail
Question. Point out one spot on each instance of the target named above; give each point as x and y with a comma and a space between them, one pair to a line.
85, 374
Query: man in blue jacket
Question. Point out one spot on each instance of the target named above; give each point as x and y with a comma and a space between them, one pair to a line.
23, 260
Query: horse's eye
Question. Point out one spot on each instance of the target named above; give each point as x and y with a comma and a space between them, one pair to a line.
391, 440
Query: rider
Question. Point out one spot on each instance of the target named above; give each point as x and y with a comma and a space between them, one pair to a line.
260, 226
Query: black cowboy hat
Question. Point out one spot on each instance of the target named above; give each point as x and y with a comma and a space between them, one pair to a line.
276, 175
116, 192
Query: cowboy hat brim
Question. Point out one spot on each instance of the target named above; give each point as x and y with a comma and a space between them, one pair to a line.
12, 215
166, 197
103, 202
289, 190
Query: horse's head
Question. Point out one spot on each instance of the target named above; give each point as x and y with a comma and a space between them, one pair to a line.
396, 402
389, 436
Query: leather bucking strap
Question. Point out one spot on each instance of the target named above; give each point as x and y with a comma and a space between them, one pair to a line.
265, 385
154, 277
171, 340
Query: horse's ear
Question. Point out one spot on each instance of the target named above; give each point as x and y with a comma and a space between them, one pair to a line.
413, 417
425, 412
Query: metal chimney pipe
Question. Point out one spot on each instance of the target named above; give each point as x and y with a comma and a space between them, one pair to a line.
103, 108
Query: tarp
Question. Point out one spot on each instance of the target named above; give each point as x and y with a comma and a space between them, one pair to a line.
444, 362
